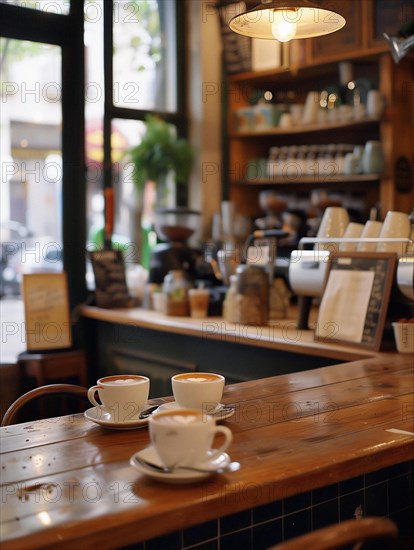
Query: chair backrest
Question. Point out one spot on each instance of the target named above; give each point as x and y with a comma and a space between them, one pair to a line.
71, 390
367, 533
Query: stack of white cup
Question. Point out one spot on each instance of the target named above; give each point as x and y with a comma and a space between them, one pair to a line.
372, 230
396, 225
334, 221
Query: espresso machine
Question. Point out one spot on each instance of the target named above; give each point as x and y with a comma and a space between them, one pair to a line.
174, 227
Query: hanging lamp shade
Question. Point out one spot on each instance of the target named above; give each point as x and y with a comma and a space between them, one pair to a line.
285, 20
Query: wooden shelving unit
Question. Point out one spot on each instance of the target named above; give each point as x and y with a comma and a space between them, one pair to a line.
309, 128
314, 64
312, 180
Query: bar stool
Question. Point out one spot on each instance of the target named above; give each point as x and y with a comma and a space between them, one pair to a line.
48, 367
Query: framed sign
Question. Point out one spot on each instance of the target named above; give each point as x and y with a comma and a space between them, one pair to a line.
47, 312
356, 297
111, 289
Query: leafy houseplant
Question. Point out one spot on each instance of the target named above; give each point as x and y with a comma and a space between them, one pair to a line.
159, 153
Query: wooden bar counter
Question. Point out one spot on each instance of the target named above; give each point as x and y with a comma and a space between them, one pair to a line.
67, 482
279, 335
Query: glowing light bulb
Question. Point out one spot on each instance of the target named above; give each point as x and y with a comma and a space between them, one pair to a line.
283, 28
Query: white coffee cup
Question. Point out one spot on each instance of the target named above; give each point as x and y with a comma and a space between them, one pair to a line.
333, 224
123, 396
396, 225
353, 231
372, 229
198, 390
184, 437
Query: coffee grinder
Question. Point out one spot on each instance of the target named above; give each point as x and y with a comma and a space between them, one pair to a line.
174, 226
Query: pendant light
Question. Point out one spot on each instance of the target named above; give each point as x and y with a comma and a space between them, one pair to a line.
285, 20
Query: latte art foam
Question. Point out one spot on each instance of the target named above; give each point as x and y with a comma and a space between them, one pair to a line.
179, 419
193, 377
123, 381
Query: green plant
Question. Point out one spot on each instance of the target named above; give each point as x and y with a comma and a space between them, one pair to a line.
160, 152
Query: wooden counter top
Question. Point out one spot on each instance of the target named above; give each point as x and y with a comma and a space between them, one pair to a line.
279, 334
68, 482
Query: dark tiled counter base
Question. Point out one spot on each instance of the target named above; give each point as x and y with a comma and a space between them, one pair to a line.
388, 492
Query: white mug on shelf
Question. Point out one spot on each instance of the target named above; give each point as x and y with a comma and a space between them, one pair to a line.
375, 103
286, 121
373, 161
311, 109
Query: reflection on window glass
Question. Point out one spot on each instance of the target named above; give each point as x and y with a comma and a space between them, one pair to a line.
31, 187
144, 55
133, 213
60, 7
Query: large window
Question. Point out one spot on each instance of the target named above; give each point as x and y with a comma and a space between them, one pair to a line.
132, 71
42, 142
78, 80
42, 150
145, 55
31, 148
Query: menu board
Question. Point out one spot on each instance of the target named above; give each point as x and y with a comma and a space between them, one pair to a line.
46, 306
110, 280
356, 297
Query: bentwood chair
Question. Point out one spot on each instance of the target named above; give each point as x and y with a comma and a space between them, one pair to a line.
373, 533
67, 390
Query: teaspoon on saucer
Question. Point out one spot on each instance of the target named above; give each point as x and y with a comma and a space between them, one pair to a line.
232, 467
148, 412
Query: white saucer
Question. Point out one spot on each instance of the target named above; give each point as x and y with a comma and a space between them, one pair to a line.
179, 476
104, 419
223, 412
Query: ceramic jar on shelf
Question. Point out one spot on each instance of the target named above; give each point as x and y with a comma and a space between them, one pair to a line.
373, 161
